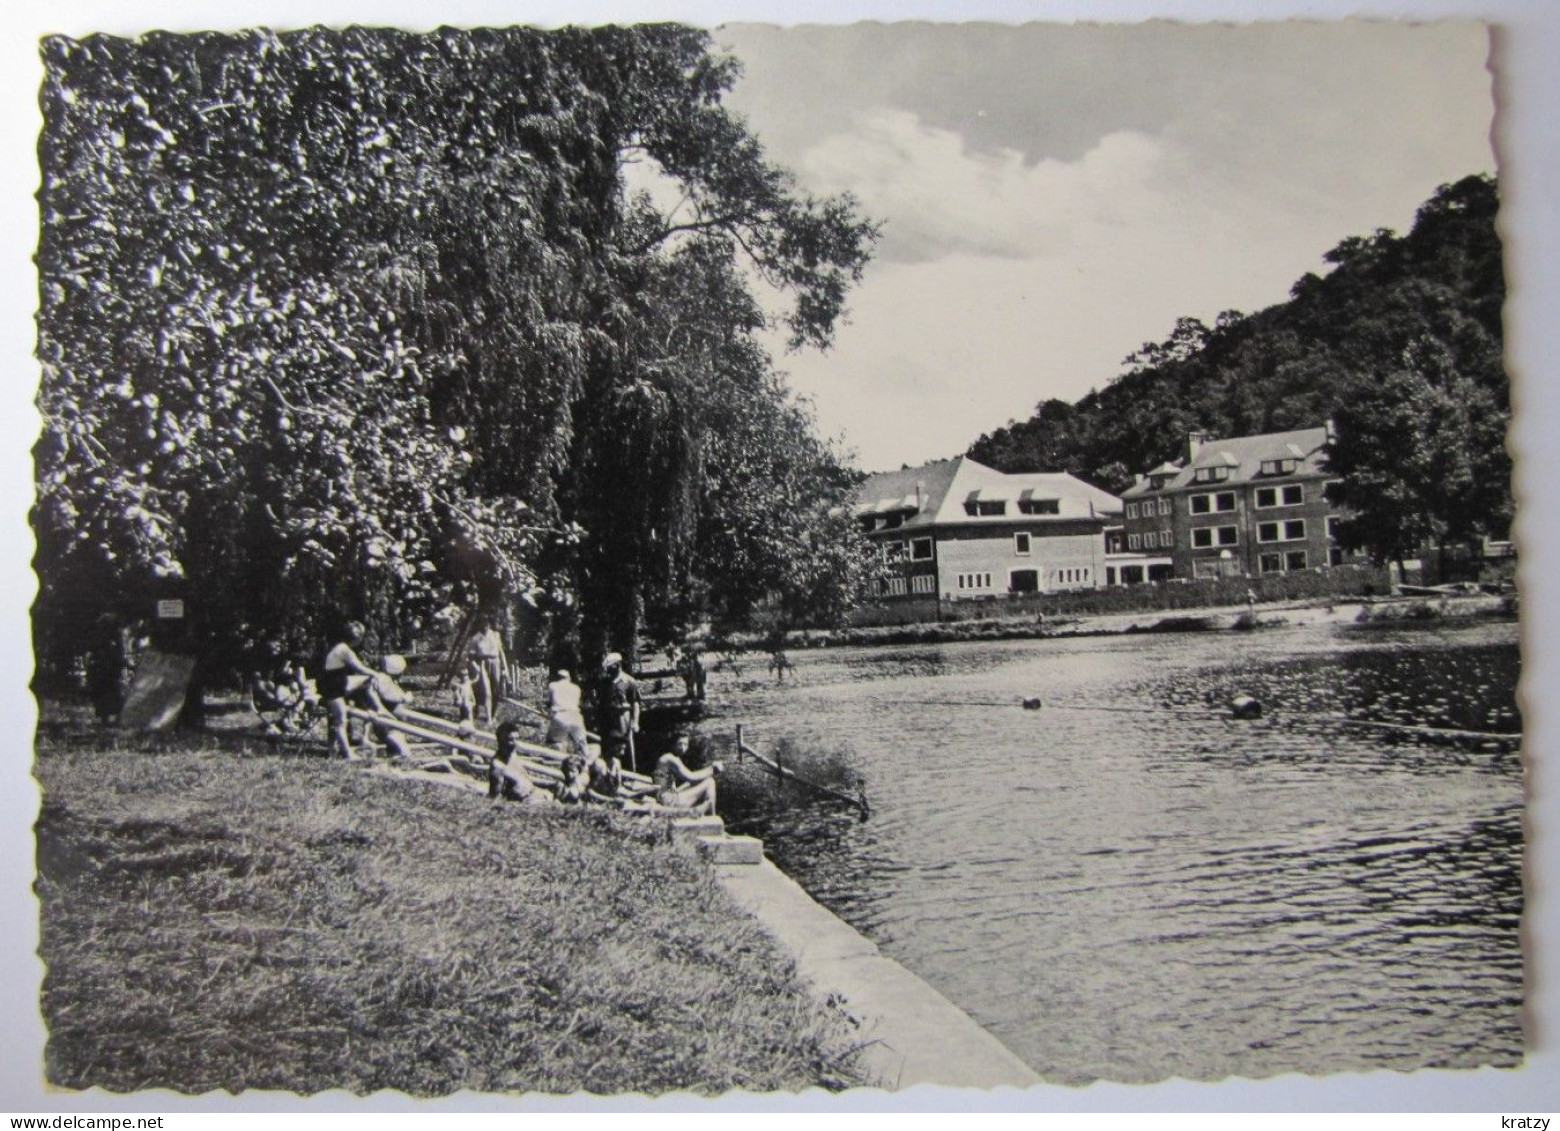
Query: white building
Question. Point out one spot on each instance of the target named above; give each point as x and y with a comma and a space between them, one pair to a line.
956, 530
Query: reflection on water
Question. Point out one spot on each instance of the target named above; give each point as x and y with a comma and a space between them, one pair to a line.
1156, 889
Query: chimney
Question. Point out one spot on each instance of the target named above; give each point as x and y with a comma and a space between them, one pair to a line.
919, 488
1194, 443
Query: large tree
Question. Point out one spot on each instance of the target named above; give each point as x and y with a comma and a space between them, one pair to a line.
1420, 460
370, 322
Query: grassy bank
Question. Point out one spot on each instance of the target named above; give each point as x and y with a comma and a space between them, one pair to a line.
215, 919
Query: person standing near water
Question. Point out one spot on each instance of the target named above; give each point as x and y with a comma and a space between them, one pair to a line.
564, 720
618, 706
343, 673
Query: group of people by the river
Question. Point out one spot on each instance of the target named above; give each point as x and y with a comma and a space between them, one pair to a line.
603, 771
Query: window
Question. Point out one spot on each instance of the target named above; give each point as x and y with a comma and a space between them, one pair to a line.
990, 507
1213, 504
921, 550
974, 581
1134, 541
923, 583
1201, 504
1150, 540
1295, 559
1040, 506
1291, 531
1335, 555
1228, 535
1211, 474
1202, 537
1332, 526
1291, 496
893, 551
894, 520
1131, 510
1021, 543
1167, 538
1164, 506
1206, 536
1271, 563
1110, 575
1114, 543
1024, 581
1279, 466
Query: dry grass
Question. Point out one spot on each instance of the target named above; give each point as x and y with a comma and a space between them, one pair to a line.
218, 920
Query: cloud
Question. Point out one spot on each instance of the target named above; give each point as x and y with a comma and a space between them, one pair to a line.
938, 197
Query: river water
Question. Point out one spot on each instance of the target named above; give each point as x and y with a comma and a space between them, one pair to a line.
1128, 884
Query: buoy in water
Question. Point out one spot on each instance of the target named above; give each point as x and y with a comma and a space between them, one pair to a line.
1245, 707
1032, 703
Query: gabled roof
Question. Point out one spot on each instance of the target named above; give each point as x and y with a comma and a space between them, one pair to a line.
936, 493
1243, 456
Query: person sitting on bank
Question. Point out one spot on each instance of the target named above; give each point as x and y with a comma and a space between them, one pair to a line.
678, 787
575, 787
386, 696
510, 781
343, 676
618, 706
564, 721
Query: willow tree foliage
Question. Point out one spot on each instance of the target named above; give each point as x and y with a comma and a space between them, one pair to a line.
368, 322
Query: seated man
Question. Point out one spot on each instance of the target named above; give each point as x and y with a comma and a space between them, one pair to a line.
678, 787
511, 782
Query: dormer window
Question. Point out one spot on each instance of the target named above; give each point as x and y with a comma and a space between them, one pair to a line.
1157, 482
989, 508
1040, 506
1285, 466
1216, 474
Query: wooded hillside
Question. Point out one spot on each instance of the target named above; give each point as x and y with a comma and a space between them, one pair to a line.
1428, 300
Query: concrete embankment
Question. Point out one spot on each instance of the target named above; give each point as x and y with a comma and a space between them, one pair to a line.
910, 1033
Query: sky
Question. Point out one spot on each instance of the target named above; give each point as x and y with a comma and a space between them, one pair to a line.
1053, 196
